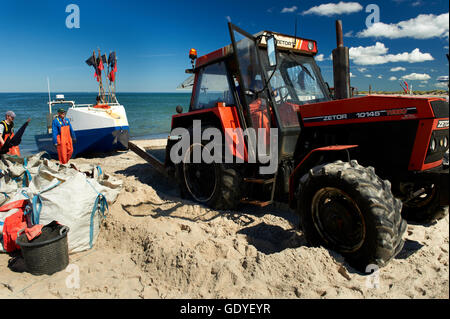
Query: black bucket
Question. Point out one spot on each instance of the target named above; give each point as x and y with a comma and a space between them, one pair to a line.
48, 253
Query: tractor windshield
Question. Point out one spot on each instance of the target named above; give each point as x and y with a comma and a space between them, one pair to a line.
296, 80
277, 90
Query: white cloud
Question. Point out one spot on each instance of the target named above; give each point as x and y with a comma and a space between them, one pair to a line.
424, 26
376, 54
398, 68
416, 77
362, 69
368, 75
442, 78
348, 34
379, 77
289, 10
361, 54
352, 76
319, 58
413, 57
416, 3
330, 9
446, 47
392, 78
441, 85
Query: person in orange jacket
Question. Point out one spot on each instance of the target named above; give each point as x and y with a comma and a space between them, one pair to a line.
63, 136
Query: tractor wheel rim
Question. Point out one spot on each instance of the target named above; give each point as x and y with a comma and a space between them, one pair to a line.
338, 219
423, 199
200, 178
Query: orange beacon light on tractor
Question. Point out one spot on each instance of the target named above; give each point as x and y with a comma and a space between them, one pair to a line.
193, 56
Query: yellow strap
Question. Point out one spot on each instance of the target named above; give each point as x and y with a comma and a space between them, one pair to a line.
6, 126
59, 121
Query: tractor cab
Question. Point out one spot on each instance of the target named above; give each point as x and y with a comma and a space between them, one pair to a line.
266, 76
277, 73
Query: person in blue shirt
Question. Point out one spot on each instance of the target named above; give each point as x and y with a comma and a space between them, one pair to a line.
63, 136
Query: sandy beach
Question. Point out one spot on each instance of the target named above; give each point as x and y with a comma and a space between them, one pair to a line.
337, 106
153, 244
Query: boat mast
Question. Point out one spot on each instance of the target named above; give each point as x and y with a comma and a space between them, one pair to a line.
49, 99
108, 82
101, 90
98, 62
113, 81
49, 115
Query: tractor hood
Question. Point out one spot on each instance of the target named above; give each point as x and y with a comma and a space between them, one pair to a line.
373, 108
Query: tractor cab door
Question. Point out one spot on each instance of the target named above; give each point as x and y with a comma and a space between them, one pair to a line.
250, 84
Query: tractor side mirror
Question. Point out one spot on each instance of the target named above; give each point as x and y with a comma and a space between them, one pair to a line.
179, 109
272, 51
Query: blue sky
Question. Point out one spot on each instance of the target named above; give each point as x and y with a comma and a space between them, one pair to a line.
152, 40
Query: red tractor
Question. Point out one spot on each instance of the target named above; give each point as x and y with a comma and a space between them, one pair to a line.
353, 168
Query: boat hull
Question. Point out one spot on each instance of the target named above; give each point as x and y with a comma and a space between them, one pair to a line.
100, 140
97, 130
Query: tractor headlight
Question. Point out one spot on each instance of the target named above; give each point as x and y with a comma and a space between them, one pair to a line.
433, 145
445, 141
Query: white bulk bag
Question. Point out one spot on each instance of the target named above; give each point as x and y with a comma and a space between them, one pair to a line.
76, 203
74, 196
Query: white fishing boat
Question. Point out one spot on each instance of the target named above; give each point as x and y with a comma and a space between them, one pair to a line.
99, 128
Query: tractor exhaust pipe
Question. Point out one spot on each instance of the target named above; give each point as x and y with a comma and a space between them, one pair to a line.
341, 66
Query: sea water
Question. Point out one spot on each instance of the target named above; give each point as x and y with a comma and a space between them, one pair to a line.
149, 114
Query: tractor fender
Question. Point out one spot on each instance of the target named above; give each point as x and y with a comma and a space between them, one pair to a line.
310, 160
223, 117
186, 119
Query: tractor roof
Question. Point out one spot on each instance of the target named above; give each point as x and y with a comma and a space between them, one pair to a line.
284, 43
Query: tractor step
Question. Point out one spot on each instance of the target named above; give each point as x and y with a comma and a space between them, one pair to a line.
259, 180
258, 185
256, 202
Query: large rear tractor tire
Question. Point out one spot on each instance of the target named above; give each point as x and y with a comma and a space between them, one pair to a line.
346, 207
216, 185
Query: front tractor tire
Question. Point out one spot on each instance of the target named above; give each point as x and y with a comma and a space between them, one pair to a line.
425, 208
346, 207
216, 185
